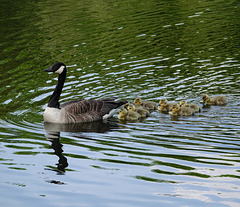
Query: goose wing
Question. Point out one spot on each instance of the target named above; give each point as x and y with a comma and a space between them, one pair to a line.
89, 110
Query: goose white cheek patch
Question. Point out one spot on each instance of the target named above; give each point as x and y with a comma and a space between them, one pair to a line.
60, 70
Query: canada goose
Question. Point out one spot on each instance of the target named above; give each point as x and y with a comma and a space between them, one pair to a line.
77, 111
148, 105
125, 115
195, 107
216, 100
164, 106
143, 112
176, 110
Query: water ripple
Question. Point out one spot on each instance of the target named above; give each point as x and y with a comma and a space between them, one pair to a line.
147, 50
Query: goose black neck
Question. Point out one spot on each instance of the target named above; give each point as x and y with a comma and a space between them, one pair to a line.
54, 100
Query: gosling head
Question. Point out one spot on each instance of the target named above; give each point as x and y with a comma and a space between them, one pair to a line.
182, 103
56, 68
126, 105
137, 101
175, 107
131, 108
163, 102
205, 99
122, 112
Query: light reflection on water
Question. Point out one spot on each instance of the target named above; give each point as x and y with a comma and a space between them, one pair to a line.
139, 50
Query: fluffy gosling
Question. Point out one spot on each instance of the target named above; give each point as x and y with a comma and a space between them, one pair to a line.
164, 106
148, 105
176, 110
195, 107
126, 105
216, 100
125, 115
143, 112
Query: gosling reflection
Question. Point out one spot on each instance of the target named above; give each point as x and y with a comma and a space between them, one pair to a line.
53, 135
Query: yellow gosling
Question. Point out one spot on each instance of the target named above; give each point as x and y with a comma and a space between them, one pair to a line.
122, 113
176, 110
148, 105
125, 115
195, 107
126, 105
216, 100
143, 112
164, 106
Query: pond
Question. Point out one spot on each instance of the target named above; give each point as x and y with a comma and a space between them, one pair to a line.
148, 49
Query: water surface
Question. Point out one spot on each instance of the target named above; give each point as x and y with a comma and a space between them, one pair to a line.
154, 49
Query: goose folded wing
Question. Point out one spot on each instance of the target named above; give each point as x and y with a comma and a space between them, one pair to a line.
83, 111
89, 110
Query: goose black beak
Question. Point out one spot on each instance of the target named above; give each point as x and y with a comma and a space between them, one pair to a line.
48, 69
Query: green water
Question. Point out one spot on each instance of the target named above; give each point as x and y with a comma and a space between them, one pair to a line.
148, 49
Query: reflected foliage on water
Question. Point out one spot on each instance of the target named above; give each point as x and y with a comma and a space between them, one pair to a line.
147, 49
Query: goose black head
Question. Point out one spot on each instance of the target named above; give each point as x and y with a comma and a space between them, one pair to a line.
56, 68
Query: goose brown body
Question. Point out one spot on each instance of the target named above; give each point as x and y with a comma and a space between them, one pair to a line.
88, 110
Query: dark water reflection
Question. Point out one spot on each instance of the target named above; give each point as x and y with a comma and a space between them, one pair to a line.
148, 49
53, 131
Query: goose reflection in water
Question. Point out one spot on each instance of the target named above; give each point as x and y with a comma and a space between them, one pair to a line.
53, 135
